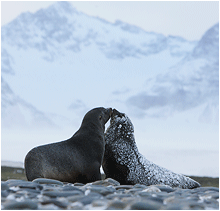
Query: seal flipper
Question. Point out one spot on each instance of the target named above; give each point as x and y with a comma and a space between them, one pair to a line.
33, 167
116, 171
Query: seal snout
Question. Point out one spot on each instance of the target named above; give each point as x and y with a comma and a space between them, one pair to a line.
109, 111
107, 114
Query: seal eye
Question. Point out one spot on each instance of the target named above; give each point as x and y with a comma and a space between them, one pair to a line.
100, 117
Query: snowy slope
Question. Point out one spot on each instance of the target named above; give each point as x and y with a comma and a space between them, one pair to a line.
17, 113
56, 50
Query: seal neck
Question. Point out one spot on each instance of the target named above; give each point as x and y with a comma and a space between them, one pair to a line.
92, 127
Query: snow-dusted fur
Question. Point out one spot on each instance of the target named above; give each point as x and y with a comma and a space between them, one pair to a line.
121, 147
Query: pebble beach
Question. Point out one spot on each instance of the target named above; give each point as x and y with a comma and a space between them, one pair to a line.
108, 194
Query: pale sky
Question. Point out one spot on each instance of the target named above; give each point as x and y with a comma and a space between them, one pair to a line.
188, 19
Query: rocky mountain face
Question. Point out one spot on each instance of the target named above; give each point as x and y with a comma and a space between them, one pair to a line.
52, 54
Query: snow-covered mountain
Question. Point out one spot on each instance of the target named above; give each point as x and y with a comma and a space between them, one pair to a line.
33, 44
58, 63
60, 27
191, 82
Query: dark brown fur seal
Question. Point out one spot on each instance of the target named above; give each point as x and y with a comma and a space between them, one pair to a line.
123, 162
77, 159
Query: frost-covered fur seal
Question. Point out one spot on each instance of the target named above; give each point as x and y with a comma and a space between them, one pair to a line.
123, 162
77, 159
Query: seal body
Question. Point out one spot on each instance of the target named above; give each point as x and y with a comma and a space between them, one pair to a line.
77, 159
123, 162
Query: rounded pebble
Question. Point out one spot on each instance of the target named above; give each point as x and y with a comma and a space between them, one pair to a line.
54, 194
70, 188
140, 186
13, 182
31, 186
4, 186
152, 189
124, 187
107, 182
102, 190
165, 188
116, 205
78, 184
55, 202
99, 204
146, 205
118, 195
28, 205
47, 181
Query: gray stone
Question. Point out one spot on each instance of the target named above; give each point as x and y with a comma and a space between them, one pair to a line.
54, 194
47, 181
31, 185
87, 200
165, 188
123, 187
119, 196
145, 194
151, 188
75, 206
173, 207
140, 186
14, 205
75, 198
203, 189
134, 191
4, 186
55, 202
94, 195
13, 182
4, 193
71, 188
155, 199
214, 195
107, 182
116, 205
98, 204
4, 189
102, 190
78, 184
145, 205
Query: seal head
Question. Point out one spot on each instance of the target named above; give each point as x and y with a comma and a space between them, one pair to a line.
77, 159
123, 162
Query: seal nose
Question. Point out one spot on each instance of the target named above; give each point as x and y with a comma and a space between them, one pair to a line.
107, 114
109, 110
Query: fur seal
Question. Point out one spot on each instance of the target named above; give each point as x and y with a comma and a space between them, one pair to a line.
123, 162
77, 159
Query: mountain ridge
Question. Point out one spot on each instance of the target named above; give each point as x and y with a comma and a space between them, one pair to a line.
55, 32
49, 28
